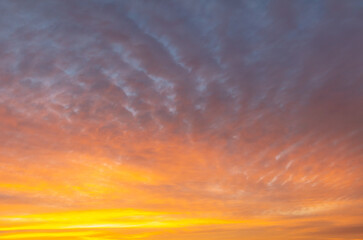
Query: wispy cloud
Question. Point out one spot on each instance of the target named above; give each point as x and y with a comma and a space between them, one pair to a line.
228, 110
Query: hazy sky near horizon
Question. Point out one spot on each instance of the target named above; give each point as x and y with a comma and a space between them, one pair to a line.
187, 119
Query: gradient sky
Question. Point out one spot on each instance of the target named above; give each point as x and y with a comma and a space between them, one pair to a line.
181, 120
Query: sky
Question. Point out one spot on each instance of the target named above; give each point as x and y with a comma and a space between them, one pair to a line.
188, 119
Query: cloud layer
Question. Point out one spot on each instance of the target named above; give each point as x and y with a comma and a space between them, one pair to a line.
227, 110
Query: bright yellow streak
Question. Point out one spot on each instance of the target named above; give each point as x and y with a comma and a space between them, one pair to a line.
99, 220
47, 235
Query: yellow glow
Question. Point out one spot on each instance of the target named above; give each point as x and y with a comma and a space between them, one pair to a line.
78, 223
108, 219
47, 235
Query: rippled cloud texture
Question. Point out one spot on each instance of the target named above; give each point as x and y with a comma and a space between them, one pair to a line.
181, 119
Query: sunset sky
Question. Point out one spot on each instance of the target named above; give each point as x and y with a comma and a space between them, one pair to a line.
181, 120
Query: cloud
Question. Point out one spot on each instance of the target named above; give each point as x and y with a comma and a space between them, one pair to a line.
184, 92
